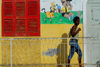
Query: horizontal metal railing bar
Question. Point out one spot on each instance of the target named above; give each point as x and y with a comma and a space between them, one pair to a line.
96, 44
49, 38
41, 64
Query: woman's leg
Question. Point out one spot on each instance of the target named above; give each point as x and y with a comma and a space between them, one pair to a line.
72, 51
79, 52
79, 60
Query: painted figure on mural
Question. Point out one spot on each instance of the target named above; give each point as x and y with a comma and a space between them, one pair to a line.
50, 14
58, 8
65, 10
43, 10
74, 46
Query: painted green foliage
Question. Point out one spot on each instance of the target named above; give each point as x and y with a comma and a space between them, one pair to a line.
59, 19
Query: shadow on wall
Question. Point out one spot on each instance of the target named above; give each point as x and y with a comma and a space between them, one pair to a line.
62, 56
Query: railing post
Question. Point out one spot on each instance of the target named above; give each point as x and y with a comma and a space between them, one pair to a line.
11, 50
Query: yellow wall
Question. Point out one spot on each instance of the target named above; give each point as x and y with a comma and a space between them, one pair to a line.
47, 30
58, 30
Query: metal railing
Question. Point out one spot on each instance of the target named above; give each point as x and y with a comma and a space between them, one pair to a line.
36, 52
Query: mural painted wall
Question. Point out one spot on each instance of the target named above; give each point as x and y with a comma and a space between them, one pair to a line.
59, 14
52, 12
56, 21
